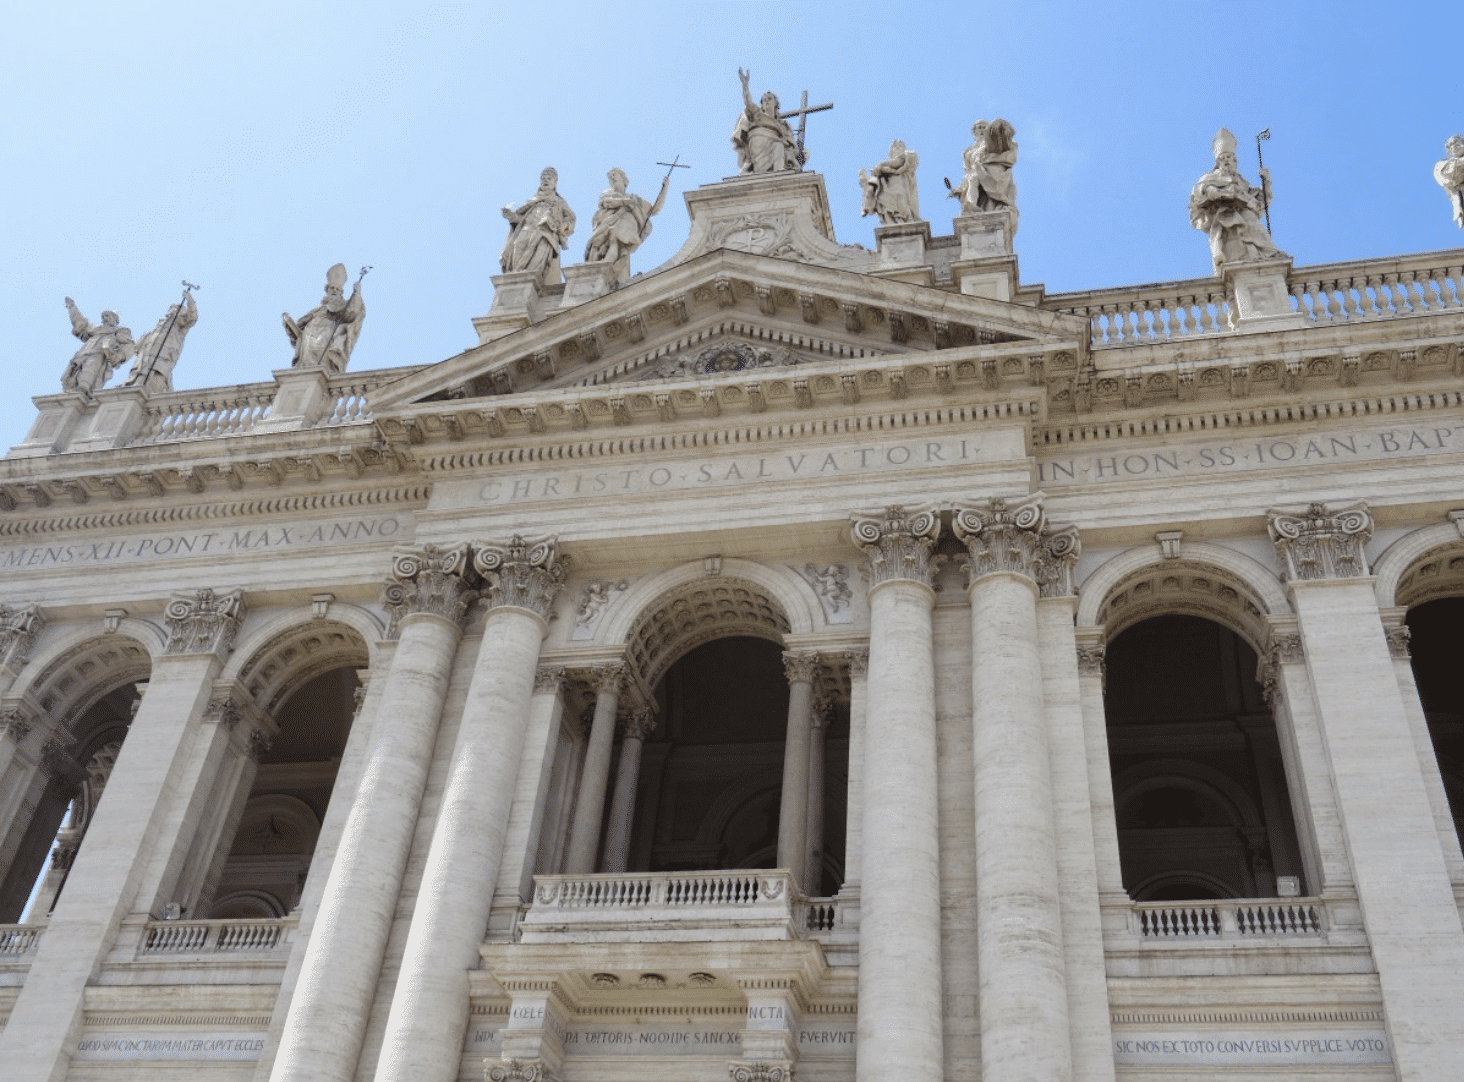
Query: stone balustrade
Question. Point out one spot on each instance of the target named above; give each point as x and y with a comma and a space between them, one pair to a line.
1327, 293
1230, 919
664, 907
18, 939
194, 415
214, 936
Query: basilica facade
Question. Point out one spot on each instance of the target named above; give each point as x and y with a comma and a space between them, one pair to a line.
795, 661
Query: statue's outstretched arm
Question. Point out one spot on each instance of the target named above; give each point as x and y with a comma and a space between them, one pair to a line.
79, 324
661, 198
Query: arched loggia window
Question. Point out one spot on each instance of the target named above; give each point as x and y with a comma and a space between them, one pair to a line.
1200, 793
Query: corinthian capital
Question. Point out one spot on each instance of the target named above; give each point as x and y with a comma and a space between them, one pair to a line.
515, 1071
800, 666
640, 723
523, 572
431, 579
1017, 538
898, 543
19, 626
203, 622
1321, 542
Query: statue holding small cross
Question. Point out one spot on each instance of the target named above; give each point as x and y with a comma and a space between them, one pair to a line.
763, 140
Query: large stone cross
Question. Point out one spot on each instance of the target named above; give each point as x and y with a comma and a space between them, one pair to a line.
802, 114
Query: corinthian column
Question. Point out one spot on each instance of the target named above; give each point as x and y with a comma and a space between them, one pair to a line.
823, 711
1387, 821
622, 807
1024, 1009
429, 1011
900, 1016
156, 773
801, 666
584, 833
428, 597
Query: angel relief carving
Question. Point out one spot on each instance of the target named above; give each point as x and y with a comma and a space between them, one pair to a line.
722, 358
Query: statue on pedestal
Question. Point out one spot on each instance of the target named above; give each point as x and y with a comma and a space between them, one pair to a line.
324, 336
988, 183
1450, 174
159, 349
104, 348
621, 223
538, 230
1225, 205
763, 140
889, 188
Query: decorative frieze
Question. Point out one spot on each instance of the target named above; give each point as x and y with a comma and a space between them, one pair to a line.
19, 626
431, 579
204, 621
526, 573
898, 543
1016, 538
1321, 542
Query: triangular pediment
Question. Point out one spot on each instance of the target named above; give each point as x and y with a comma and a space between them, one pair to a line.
726, 311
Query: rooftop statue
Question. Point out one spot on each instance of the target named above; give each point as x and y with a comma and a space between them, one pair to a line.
1225, 205
988, 183
324, 336
621, 223
764, 141
538, 230
889, 188
104, 348
1450, 174
159, 349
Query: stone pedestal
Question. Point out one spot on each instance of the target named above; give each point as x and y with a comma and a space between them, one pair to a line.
1259, 298
302, 397
56, 421
986, 267
586, 281
515, 305
902, 253
120, 414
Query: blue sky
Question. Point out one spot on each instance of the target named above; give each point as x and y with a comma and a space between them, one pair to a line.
248, 151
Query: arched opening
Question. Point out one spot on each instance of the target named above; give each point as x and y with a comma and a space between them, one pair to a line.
1436, 630
712, 772
261, 871
1199, 787
49, 793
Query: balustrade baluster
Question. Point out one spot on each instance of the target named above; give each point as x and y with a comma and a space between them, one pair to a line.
1422, 304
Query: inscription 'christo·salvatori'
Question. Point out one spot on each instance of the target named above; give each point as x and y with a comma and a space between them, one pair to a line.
739, 469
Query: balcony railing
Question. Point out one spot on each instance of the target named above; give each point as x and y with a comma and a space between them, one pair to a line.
1231, 919
213, 936
1360, 291
18, 939
731, 905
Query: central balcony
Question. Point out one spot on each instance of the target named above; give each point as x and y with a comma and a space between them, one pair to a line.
669, 907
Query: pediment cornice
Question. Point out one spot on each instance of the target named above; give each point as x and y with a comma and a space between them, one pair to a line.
828, 312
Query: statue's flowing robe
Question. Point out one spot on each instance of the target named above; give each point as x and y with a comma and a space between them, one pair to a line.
534, 242
328, 333
988, 183
764, 143
1227, 208
1450, 175
890, 191
103, 350
158, 350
